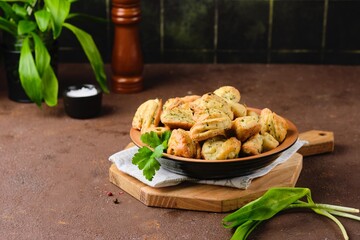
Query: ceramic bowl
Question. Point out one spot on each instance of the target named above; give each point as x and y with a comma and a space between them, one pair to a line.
221, 169
82, 101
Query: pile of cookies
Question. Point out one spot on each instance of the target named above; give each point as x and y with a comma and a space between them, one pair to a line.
214, 126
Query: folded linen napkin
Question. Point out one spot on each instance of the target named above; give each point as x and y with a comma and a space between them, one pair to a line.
164, 178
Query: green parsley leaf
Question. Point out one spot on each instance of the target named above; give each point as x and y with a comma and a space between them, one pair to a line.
151, 139
145, 158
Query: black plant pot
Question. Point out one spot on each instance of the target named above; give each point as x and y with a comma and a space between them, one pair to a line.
15, 89
11, 49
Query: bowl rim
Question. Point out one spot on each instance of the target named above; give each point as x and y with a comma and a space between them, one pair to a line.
291, 137
79, 86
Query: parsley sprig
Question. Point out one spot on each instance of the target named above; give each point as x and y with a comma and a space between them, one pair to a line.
146, 158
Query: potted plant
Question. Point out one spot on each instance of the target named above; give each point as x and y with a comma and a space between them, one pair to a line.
33, 27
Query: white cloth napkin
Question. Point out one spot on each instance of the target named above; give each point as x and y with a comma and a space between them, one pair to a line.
164, 178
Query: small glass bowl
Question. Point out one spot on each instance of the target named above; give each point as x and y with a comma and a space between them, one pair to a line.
82, 101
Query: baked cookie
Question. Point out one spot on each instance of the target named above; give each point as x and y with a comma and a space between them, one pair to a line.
238, 109
269, 142
245, 127
250, 112
209, 103
148, 114
280, 128
181, 144
273, 124
158, 130
229, 93
206, 128
253, 146
220, 148
177, 112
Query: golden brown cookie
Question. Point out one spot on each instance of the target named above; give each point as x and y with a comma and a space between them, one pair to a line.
245, 127
157, 130
229, 93
148, 114
220, 148
177, 112
273, 124
181, 144
238, 109
269, 142
207, 128
280, 128
253, 146
209, 103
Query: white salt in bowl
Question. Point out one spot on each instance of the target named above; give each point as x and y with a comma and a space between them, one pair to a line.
82, 101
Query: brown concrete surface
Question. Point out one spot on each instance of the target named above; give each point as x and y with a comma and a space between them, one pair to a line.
54, 169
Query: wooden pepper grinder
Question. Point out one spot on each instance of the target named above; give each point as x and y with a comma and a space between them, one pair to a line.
127, 62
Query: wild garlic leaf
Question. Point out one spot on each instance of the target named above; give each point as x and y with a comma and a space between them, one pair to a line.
247, 218
244, 230
265, 207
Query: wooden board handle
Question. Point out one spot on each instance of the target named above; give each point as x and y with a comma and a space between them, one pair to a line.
319, 142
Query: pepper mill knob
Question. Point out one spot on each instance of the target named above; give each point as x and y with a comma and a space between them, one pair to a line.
127, 61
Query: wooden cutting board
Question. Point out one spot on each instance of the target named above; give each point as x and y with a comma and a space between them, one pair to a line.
201, 197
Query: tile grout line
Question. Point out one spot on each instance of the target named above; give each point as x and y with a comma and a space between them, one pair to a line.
323, 37
162, 30
216, 24
108, 28
269, 42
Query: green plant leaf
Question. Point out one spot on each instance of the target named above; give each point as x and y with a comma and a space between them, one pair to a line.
8, 11
50, 86
59, 10
31, 2
151, 139
29, 76
146, 160
274, 200
8, 26
42, 56
42, 18
92, 53
19, 10
26, 26
48, 78
243, 231
265, 207
82, 16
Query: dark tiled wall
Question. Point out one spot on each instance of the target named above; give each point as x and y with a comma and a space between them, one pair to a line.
233, 31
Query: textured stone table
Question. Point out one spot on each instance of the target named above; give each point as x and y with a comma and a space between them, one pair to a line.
54, 169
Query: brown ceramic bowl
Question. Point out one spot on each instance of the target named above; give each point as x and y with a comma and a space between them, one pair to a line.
220, 169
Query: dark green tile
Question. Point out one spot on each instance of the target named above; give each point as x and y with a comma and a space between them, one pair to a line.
243, 24
152, 56
242, 57
150, 26
343, 27
296, 57
343, 58
188, 24
297, 24
70, 49
188, 56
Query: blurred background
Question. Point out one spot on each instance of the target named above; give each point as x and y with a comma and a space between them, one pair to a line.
232, 31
